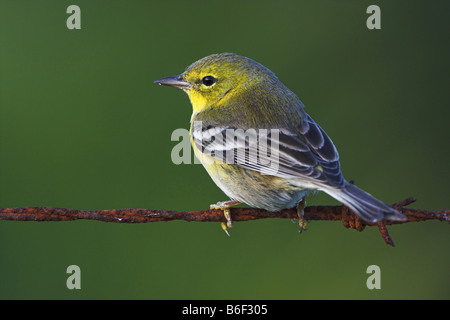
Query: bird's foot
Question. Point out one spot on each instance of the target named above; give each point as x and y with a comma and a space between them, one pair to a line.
225, 206
301, 213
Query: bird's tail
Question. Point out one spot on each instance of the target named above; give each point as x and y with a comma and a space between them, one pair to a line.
364, 205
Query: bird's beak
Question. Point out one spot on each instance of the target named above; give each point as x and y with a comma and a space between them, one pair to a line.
174, 81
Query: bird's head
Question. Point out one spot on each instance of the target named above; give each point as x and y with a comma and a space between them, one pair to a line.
212, 80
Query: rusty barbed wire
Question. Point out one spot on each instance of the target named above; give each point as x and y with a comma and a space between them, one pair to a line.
323, 213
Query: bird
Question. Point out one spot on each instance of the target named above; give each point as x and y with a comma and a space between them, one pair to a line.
258, 144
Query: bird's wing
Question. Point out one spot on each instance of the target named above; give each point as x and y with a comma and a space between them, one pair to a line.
305, 152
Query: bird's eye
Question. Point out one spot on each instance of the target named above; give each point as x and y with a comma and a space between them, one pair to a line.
208, 81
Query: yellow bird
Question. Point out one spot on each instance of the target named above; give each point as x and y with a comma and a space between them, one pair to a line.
254, 138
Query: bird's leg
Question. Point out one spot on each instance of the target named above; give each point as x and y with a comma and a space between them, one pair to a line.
301, 213
225, 206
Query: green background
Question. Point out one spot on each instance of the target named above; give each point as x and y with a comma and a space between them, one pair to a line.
83, 126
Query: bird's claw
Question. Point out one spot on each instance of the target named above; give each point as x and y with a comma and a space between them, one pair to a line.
225, 206
301, 213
